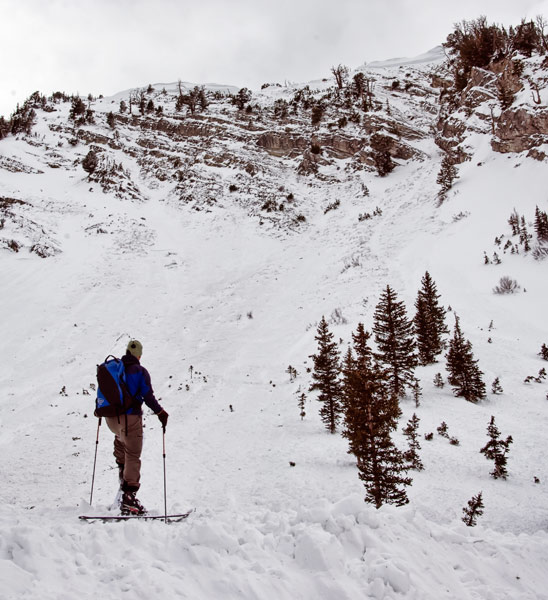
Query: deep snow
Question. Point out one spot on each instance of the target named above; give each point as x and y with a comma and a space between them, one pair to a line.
239, 303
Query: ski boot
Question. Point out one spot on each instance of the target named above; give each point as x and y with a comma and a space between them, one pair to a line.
130, 504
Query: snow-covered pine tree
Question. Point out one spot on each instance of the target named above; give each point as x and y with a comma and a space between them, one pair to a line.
364, 354
359, 367
541, 225
446, 175
443, 430
326, 377
369, 421
496, 387
395, 343
429, 322
543, 352
513, 221
496, 450
411, 433
360, 363
473, 510
90, 162
438, 380
464, 374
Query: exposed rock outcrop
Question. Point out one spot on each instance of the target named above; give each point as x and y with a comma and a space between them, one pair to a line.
521, 129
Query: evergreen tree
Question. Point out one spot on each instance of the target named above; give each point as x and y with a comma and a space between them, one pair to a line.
395, 344
358, 368
179, 103
23, 119
473, 511
496, 450
543, 352
4, 128
77, 109
90, 162
447, 175
202, 98
429, 322
513, 221
318, 110
443, 430
417, 392
242, 98
110, 120
369, 420
364, 354
411, 433
326, 376
302, 405
464, 374
496, 388
438, 380
541, 225
524, 235
382, 158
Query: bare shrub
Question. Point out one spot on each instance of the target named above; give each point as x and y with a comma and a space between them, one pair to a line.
506, 285
337, 317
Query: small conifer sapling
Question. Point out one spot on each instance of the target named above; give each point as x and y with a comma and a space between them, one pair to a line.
438, 381
411, 433
417, 393
446, 175
302, 405
473, 510
497, 450
496, 388
442, 430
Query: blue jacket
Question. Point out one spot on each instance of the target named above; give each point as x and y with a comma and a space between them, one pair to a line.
139, 386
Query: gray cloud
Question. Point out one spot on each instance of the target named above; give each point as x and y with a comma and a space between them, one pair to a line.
109, 45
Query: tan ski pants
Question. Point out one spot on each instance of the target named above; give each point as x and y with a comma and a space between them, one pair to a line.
128, 444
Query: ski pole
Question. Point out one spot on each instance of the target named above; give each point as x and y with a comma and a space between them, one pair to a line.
95, 461
165, 495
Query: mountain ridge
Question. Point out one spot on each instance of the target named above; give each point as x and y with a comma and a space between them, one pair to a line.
178, 237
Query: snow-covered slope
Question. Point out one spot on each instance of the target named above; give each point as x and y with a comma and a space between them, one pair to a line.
225, 295
434, 56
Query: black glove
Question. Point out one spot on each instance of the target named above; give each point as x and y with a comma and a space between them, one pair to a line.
162, 415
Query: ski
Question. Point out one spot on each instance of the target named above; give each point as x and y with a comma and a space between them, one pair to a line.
146, 517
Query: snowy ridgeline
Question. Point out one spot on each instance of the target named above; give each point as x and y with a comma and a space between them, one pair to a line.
224, 295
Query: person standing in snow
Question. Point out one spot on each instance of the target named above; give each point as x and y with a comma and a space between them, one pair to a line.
128, 428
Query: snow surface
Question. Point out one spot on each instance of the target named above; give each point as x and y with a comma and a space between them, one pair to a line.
239, 303
433, 56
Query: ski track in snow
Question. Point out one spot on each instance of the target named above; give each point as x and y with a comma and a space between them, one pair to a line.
239, 304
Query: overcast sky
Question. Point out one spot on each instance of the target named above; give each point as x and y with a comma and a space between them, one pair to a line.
106, 46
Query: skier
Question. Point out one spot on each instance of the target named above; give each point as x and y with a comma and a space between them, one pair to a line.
128, 428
